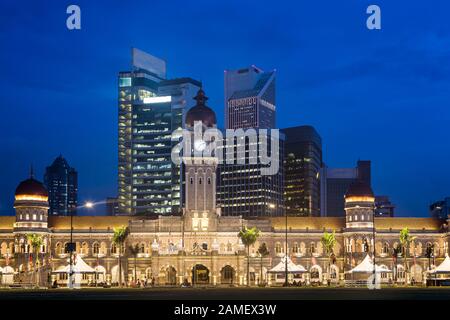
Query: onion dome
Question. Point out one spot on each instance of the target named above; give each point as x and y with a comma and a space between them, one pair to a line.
201, 112
359, 189
31, 187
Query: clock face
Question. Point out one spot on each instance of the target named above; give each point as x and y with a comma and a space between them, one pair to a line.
199, 145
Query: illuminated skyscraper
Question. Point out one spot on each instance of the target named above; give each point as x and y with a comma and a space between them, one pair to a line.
151, 107
250, 104
62, 184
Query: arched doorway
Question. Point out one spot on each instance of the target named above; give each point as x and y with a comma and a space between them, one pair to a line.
227, 275
200, 274
171, 276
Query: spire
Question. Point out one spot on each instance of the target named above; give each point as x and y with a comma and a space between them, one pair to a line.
201, 98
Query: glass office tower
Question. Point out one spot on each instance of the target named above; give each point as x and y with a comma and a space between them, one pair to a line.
250, 104
150, 109
61, 181
302, 165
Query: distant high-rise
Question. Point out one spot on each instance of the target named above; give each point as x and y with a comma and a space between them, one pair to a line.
62, 184
151, 107
302, 165
335, 183
249, 98
250, 104
383, 207
441, 209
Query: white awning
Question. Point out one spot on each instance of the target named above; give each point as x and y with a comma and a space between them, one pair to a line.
292, 267
366, 266
7, 270
444, 267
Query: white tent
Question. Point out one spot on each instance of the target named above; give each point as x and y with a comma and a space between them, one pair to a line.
444, 267
292, 267
366, 266
7, 275
78, 266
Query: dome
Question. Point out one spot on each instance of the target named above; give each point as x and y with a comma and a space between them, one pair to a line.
359, 189
201, 112
31, 187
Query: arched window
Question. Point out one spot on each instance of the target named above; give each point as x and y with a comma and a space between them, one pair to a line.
229, 247
312, 247
96, 248
295, 248
142, 248
278, 247
386, 248
209, 180
191, 180
113, 248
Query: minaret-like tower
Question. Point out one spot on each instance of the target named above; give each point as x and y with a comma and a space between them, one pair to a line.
359, 207
31, 205
200, 171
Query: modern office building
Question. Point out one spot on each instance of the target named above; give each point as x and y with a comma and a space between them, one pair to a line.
335, 183
441, 209
383, 207
61, 182
302, 165
249, 98
112, 206
250, 104
151, 107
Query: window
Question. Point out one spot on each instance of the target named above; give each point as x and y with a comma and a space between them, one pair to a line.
386, 248
278, 247
124, 82
209, 180
229, 247
312, 247
200, 181
191, 180
96, 248
295, 248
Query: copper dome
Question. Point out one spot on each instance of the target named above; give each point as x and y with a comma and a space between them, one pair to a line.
31, 187
201, 112
359, 189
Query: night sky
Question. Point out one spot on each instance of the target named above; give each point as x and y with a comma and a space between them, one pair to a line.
381, 95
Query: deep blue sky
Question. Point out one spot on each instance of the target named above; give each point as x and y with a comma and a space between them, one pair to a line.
378, 95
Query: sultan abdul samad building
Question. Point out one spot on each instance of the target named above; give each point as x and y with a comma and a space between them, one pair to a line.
203, 246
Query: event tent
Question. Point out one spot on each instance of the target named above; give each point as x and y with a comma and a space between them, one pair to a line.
292, 267
443, 268
366, 266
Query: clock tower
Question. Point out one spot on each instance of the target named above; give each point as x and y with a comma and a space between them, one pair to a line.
200, 210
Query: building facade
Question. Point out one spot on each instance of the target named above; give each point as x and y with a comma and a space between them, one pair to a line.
384, 207
202, 246
302, 165
61, 182
151, 107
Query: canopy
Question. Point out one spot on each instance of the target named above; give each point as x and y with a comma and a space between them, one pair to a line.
444, 267
292, 267
7, 270
79, 266
366, 266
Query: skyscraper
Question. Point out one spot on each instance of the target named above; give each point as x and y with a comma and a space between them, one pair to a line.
62, 184
151, 107
335, 183
249, 98
250, 104
302, 165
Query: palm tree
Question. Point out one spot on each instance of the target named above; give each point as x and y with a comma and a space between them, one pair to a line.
405, 240
134, 250
396, 250
248, 237
36, 241
263, 252
328, 241
119, 237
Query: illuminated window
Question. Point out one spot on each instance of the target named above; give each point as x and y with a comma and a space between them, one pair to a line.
124, 82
